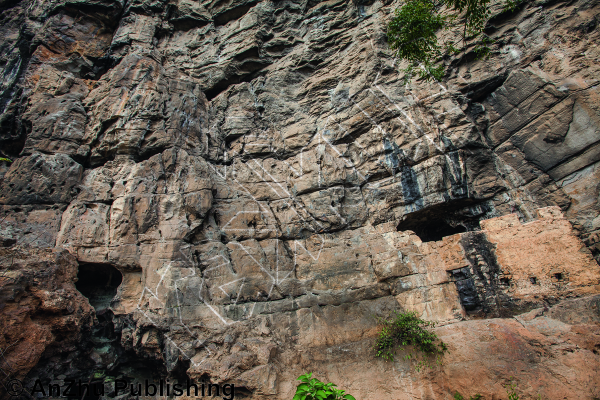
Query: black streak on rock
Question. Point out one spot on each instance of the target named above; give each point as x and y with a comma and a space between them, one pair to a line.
485, 270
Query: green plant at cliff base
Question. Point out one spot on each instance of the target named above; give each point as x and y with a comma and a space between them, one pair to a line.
412, 31
313, 389
511, 389
406, 329
5, 159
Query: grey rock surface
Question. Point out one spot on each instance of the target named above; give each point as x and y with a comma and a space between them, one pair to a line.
266, 181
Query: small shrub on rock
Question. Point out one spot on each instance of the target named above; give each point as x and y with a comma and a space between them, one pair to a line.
406, 329
313, 389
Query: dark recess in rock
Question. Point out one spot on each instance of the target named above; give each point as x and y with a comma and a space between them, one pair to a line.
100, 354
436, 230
7, 242
183, 20
99, 283
98, 68
232, 14
435, 222
503, 17
12, 101
224, 84
185, 24
101, 350
108, 12
478, 91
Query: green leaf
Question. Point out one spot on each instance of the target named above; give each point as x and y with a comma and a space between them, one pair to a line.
348, 397
412, 34
305, 377
314, 389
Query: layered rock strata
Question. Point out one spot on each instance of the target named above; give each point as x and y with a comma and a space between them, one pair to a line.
264, 181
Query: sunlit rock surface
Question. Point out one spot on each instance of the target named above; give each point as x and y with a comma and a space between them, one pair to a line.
254, 182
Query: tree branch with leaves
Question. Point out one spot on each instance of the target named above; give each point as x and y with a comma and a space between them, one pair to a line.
412, 33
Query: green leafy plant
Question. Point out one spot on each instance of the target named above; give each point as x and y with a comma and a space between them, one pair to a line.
313, 389
511, 389
406, 329
412, 33
5, 159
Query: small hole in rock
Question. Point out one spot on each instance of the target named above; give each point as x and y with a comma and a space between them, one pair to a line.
558, 276
533, 280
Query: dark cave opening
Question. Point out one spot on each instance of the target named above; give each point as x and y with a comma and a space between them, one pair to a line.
104, 358
433, 223
432, 231
99, 283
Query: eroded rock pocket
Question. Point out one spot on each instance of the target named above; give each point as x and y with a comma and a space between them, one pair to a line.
99, 283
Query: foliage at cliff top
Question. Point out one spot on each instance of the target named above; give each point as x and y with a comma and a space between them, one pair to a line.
313, 389
412, 31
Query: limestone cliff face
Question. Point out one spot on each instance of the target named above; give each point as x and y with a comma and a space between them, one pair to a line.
244, 185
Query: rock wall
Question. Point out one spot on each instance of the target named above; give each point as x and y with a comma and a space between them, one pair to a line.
266, 182
42, 312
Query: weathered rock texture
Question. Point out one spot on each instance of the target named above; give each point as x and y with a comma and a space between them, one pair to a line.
42, 313
266, 183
